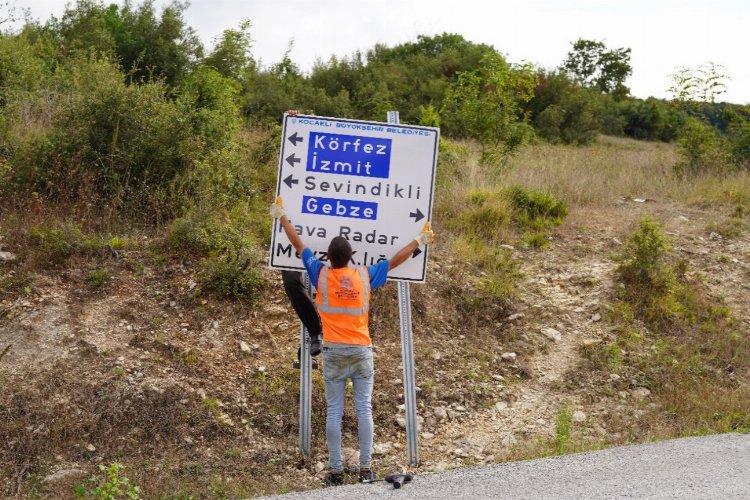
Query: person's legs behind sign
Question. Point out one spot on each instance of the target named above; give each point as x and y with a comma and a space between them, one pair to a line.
303, 305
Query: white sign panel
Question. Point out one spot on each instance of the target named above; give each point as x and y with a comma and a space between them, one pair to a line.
369, 182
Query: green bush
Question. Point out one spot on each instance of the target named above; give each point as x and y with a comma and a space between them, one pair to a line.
98, 277
485, 216
54, 243
98, 138
740, 146
651, 119
702, 150
114, 487
564, 112
209, 99
652, 284
642, 262
233, 275
496, 217
536, 209
205, 230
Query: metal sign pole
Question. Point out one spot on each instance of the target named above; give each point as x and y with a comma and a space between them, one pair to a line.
305, 386
407, 357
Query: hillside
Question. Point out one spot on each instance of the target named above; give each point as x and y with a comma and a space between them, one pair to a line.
523, 344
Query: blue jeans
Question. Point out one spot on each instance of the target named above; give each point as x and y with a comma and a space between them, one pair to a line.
339, 364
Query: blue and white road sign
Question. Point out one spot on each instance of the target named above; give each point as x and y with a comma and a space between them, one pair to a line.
369, 182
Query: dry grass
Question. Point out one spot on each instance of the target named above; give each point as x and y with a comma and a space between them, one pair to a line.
614, 168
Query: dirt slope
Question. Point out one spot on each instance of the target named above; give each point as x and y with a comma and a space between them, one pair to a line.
199, 395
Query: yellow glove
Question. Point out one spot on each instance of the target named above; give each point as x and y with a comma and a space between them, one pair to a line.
276, 210
426, 236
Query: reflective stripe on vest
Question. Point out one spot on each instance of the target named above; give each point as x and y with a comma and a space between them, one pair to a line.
352, 311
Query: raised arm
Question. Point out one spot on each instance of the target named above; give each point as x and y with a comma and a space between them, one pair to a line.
277, 212
423, 238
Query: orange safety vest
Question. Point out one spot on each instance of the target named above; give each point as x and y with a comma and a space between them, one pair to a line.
343, 304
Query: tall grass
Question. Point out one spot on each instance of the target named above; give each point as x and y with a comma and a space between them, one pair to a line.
614, 168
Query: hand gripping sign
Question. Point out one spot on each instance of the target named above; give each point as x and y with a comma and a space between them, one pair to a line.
369, 182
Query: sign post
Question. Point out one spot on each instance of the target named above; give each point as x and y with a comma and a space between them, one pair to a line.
371, 183
305, 386
407, 358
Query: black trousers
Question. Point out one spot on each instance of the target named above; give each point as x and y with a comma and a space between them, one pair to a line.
294, 286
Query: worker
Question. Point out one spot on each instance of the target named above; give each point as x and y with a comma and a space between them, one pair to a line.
343, 301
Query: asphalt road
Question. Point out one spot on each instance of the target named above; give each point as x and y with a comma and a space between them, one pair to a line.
712, 467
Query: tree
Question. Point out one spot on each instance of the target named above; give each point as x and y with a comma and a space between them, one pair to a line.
702, 84
231, 55
149, 46
486, 103
701, 147
594, 66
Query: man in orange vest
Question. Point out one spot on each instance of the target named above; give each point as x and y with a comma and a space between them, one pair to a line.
343, 303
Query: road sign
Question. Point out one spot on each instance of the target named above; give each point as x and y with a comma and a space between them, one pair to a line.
369, 182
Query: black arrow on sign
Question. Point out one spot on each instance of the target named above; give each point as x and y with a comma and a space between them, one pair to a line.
294, 138
291, 159
289, 181
416, 252
418, 216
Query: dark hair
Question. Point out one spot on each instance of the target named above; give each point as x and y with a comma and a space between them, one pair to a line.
340, 252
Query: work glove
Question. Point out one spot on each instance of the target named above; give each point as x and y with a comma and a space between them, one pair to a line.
276, 209
426, 236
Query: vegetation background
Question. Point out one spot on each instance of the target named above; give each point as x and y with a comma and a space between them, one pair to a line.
134, 162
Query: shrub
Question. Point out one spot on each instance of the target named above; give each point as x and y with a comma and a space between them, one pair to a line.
98, 277
54, 242
642, 260
740, 146
701, 150
650, 119
651, 283
564, 112
429, 116
529, 204
493, 280
115, 487
485, 216
203, 232
209, 99
97, 138
233, 275
535, 213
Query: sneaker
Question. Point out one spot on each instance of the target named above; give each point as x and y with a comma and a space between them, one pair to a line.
334, 478
314, 346
367, 475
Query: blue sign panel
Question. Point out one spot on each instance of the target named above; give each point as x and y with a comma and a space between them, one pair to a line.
339, 207
349, 155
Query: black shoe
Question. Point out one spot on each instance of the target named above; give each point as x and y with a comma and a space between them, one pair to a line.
314, 346
367, 475
334, 478
296, 364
